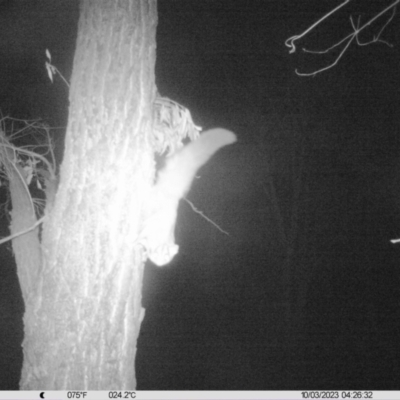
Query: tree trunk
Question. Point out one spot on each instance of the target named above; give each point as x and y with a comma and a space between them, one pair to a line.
83, 320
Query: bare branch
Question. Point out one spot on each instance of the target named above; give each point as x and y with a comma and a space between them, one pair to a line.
196, 210
348, 39
32, 155
290, 42
31, 228
376, 37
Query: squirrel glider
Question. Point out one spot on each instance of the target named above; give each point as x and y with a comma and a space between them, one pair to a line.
173, 183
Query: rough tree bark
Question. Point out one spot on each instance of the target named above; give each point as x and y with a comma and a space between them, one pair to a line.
82, 321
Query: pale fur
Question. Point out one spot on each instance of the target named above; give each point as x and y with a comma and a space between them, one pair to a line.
173, 182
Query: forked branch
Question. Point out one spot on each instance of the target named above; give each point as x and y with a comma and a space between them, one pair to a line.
346, 41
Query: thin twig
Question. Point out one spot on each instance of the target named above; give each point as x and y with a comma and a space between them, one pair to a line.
196, 210
35, 225
349, 38
290, 42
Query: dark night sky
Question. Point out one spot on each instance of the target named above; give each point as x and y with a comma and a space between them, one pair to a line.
304, 291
